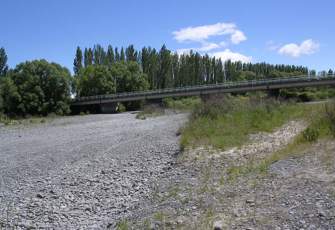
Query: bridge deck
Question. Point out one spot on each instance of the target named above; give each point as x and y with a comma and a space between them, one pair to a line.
228, 87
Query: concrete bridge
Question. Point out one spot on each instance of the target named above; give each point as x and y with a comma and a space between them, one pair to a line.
107, 103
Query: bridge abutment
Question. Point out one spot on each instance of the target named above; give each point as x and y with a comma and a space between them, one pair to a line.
156, 101
108, 107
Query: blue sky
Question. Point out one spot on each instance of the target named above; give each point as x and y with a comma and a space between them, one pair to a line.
299, 32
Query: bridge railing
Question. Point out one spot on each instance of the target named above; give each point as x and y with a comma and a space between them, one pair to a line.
229, 84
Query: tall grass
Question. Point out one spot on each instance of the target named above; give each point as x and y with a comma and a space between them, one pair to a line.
182, 104
321, 126
224, 122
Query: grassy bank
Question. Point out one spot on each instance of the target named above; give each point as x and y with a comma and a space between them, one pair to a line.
227, 122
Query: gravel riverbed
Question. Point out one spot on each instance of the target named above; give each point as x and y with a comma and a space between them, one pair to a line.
84, 171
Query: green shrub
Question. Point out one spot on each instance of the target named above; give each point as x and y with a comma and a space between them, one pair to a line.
227, 122
121, 108
187, 103
311, 134
214, 107
330, 114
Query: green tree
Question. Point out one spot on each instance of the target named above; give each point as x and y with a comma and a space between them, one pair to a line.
95, 80
42, 87
9, 96
122, 55
117, 54
165, 75
88, 57
78, 61
110, 57
99, 55
131, 53
3, 62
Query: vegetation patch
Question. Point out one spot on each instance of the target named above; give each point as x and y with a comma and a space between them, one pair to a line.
227, 121
150, 111
182, 104
320, 127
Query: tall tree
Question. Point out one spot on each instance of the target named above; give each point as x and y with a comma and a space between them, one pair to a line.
88, 57
117, 55
3, 62
78, 61
99, 55
122, 55
131, 53
165, 75
110, 58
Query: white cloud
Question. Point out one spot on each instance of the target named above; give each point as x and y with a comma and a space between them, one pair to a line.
208, 46
204, 48
272, 46
307, 47
202, 33
238, 37
229, 55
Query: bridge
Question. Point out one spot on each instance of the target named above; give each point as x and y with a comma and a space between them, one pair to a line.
107, 103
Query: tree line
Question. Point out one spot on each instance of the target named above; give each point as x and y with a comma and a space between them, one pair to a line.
165, 69
40, 87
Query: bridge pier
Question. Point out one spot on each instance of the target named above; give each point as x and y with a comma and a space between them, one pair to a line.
108, 107
157, 101
208, 97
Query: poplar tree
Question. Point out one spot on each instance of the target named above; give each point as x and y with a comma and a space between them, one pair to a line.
131, 53
88, 57
110, 58
78, 61
99, 55
117, 55
3, 62
122, 55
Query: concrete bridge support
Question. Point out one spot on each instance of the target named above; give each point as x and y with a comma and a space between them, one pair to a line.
158, 101
108, 107
208, 97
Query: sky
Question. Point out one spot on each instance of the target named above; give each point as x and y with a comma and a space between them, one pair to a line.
298, 32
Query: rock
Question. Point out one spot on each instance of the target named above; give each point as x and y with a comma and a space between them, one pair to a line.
250, 202
40, 196
218, 225
321, 213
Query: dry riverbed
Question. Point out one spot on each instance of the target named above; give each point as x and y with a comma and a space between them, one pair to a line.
116, 171
84, 171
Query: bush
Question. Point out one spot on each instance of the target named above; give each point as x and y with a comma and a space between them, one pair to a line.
311, 134
330, 114
187, 103
121, 108
37, 88
214, 107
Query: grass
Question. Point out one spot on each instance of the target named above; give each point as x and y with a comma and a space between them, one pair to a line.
182, 104
320, 125
229, 122
122, 225
6, 120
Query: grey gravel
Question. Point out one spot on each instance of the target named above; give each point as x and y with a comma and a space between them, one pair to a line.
85, 171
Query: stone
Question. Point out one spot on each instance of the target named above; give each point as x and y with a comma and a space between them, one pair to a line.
40, 196
218, 225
